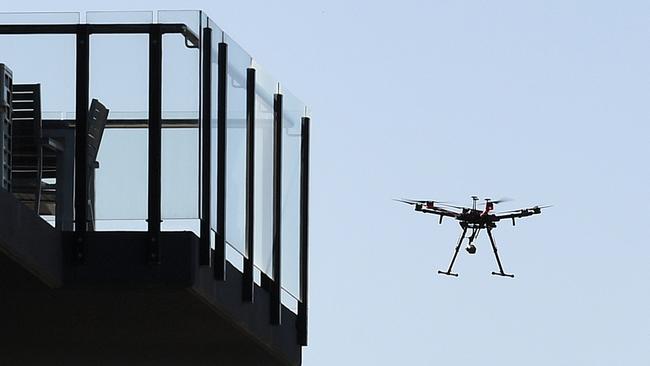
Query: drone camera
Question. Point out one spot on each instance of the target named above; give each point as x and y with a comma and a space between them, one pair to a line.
471, 249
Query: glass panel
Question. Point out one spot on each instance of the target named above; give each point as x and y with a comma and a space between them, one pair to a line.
180, 135
257, 276
265, 88
289, 301
235, 258
292, 113
191, 18
238, 62
121, 180
181, 78
119, 17
207, 23
180, 173
40, 18
23, 54
193, 225
53, 79
122, 85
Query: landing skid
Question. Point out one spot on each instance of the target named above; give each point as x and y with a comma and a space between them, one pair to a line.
448, 273
496, 255
471, 239
453, 259
503, 274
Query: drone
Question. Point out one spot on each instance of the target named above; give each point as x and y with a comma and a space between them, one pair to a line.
475, 220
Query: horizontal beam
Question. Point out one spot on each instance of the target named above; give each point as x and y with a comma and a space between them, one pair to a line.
16, 29
125, 123
142, 123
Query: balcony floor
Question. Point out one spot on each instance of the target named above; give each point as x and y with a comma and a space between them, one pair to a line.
116, 309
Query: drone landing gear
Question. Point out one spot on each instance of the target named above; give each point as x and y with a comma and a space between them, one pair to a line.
496, 255
471, 239
453, 259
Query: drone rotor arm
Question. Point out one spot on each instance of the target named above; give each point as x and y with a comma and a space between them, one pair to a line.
441, 212
516, 214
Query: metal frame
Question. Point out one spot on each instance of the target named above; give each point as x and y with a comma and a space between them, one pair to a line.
155, 145
304, 232
206, 148
18, 29
276, 283
248, 285
219, 259
81, 141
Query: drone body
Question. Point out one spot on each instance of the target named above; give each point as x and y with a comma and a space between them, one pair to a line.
475, 220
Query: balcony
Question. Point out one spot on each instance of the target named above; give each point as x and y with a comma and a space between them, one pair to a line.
154, 201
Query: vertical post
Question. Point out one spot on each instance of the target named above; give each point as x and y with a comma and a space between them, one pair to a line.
206, 148
65, 183
249, 259
276, 288
155, 143
219, 259
304, 232
81, 142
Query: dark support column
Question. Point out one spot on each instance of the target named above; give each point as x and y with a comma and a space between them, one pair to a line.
304, 232
81, 142
206, 185
219, 259
249, 259
155, 144
276, 288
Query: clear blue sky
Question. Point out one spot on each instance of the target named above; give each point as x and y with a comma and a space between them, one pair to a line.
543, 101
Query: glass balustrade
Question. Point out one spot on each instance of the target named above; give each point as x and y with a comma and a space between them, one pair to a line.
118, 151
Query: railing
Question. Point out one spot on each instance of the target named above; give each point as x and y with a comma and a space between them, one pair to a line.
198, 138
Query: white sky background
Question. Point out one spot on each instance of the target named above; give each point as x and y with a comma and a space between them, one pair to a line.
545, 102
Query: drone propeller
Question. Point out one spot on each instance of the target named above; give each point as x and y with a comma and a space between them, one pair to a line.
409, 202
504, 199
418, 202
